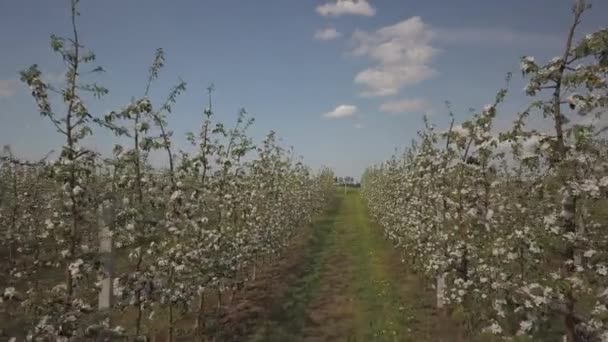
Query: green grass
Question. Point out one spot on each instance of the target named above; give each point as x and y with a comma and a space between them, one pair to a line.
352, 284
380, 313
287, 317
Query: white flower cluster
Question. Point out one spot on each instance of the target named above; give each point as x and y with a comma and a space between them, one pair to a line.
511, 225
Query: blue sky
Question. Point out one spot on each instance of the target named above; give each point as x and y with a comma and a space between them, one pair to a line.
344, 84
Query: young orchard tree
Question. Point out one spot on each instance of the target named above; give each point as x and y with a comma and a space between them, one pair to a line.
144, 194
73, 206
23, 191
578, 87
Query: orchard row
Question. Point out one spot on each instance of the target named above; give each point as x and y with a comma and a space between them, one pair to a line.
91, 240
511, 226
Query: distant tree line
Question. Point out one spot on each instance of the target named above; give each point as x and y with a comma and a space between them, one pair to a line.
348, 181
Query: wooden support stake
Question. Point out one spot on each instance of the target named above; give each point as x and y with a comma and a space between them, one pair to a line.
106, 219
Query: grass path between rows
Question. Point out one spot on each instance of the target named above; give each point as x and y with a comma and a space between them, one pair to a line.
352, 287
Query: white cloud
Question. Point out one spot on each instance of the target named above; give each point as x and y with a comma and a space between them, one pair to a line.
342, 111
403, 106
343, 7
402, 53
327, 34
7, 88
